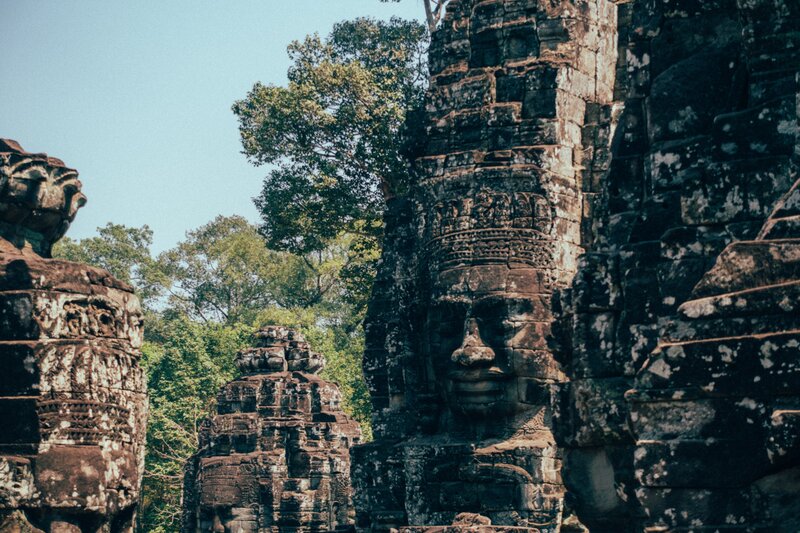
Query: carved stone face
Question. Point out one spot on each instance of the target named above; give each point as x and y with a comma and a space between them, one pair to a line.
37, 194
486, 340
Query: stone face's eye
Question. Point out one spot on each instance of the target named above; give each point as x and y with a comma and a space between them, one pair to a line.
445, 327
493, 323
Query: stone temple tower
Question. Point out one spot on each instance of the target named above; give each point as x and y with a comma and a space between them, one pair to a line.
72, 394
457, 356
276, 456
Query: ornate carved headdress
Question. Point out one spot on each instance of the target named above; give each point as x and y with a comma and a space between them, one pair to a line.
489, 227
39, 197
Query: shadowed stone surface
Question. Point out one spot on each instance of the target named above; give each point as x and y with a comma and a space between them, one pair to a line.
72, 395
276, 456
457, 359
678, 333
716, 407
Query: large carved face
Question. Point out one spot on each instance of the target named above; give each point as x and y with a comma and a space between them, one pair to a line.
486, 339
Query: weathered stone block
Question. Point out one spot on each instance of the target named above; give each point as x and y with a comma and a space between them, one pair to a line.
72, 395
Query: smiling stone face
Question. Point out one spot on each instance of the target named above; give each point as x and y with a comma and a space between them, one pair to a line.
487, 347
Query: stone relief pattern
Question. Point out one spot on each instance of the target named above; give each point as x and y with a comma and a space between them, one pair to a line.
681, 413
457, 359
72, 394
276, 456
628, 169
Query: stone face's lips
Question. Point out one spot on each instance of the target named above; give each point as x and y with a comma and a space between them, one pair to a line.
481, 386
471, 376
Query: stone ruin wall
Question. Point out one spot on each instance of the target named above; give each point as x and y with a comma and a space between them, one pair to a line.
72, 395
276, 456
664, 430
684, 190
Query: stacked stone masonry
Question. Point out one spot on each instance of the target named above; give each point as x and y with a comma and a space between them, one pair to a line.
72, 394
457, 358
670, 422
600, 251
585, 317
276, 456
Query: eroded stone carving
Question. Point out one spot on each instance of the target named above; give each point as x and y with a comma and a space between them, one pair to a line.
667, 420
660, 167
457, 358
715, 409
72, 394
276, 455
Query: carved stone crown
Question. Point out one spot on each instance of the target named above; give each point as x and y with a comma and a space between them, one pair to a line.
279, 349
491, 227
39, 198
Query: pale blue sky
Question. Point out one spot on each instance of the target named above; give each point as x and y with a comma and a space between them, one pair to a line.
136, 95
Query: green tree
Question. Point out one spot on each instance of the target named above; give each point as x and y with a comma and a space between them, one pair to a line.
335, 132
123, 251
185, 371
223, 272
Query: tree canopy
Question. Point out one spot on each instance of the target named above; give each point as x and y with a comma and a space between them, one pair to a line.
335, 133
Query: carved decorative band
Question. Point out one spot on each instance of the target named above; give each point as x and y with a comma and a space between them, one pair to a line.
84, 421
491, 209
491, 246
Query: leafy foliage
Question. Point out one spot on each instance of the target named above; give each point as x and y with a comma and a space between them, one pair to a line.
223, 272
334, 133
185, 372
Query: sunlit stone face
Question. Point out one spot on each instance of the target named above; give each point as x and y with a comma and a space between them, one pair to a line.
488, 347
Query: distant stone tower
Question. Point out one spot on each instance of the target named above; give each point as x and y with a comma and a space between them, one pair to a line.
276, 457
72, 394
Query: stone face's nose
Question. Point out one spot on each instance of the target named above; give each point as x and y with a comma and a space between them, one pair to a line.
472, 351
